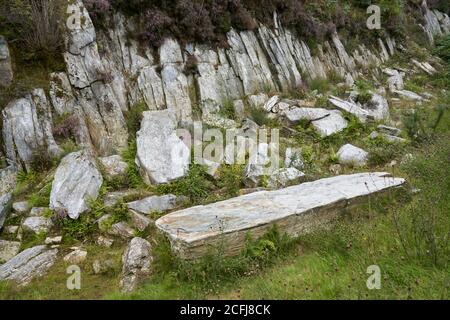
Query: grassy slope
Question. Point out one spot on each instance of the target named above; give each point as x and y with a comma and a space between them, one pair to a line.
332, 264
326, 265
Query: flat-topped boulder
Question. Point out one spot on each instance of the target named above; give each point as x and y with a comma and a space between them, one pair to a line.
295, 210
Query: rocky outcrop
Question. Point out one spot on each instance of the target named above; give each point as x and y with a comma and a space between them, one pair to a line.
137, 260
161, 155
6, 72
28, 265
27, 129
436, 23
77, 181
5, 207
175, 82
296, 210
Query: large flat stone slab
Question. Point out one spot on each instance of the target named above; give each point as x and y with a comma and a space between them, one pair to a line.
296, 210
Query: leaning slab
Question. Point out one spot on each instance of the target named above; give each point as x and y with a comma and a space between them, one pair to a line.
161, 155
77, 181
296, 210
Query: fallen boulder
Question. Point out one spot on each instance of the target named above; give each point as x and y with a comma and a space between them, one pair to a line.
351, 155
296, 210
77, 181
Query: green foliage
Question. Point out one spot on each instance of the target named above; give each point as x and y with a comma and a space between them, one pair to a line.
320, 85
213, 270
259, 115
227, 110
364, 91
133, 177
35, 27
230, 179
42, 197
196, 185
443, 48
134, 117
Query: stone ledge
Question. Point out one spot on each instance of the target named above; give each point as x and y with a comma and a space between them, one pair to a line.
296, 210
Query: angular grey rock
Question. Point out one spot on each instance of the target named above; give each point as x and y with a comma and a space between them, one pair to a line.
8, 179
37, 224
76, 256
296, 210
53, 240
139, 221
113, 198
61, 95
37, 212
114, 166
269, 105
389, 130
21, 207
161, 155
155, 204
102, 266
77, 181
249, 62
27, 129
137, 260
409, 95
217, 80
104, 242
258, 101
294, 159
175, 83
424, 66
350, 107
29, 264
121, 229
239, 109
8, 250
351, 155
11, 229
326, 122
6, 72
285, 176
395, 81
257, 166
5, 207
377, 107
